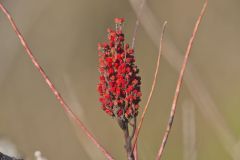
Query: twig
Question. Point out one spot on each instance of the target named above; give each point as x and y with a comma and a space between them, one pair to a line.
135, 150
193, 81
152, 88
179, 83
123, 124
64, 105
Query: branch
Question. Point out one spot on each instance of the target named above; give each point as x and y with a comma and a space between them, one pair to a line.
53, 89
123, 124
153, 86
179, 83
139, 12
193, 81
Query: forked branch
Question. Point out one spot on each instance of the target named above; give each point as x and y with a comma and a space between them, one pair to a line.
53, 89
179, 83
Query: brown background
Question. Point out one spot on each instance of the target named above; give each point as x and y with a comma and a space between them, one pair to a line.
63, 36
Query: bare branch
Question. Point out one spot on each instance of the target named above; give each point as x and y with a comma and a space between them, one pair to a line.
179, 83
64, 105
152, 88
193, 81
139, 12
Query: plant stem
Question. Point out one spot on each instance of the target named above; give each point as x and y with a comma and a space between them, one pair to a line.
179, 84
152, 88
128, 139
53, 89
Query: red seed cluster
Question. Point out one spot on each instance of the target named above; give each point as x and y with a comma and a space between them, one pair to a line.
119, 82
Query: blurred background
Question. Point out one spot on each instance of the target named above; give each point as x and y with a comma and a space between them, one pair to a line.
63, 35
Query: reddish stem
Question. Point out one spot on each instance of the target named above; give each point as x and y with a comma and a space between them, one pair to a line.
135, 150
179, 83
64, 105
152, 88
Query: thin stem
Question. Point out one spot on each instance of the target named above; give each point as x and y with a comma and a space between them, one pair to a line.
128, 144
152, 89
179, 83
128, 140
135, 150
199, 92
134, 126
53, 89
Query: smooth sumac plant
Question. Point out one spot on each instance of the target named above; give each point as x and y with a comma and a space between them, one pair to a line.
119, 84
